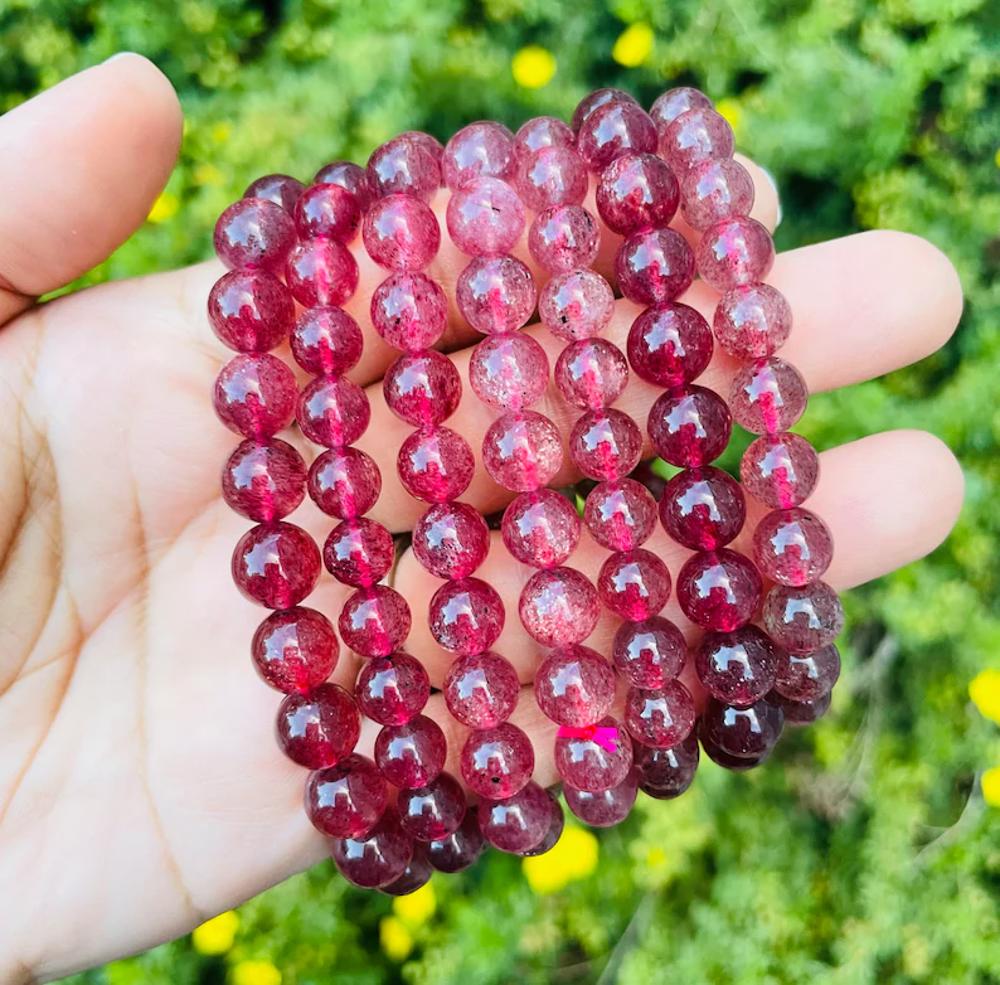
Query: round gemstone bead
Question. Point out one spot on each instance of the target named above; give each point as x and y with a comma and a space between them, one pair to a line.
254, 232
636, 191
481, 689
333, 411
605, 444
318, 728
634, 584
432, 812
780, 470
321, 271
411, 755
458, 850
542, 131
479, 150
255, 395
276, 564
552, 176
422, 388
666, 773
559, 606
250, 310
451, 540
798, 713
401, 233
792, 547
409, 311
591, 373
694, 136
326, 341
654, 266
405, 165
595, 100
586, 764
495, 294
522, 451
328, 210
611, 130
803, 619
752, 321
689, 427
282, 189
715, 189
485, 216
294, 649
431, 144
392, 690
509, 371
670, 104
563, 238
435, 464
344, 482
660, 718
604, 809
739, 667
466, 616
415, 875
346, 800
374, 621
620, 515
541, 528
734, 252
808, 677
669, 345
742, 732
768, 396
649, 653
517, 823
556, 824
377, 858
497, 762
702, 508
348, 175
575, 686
264, 482
718, 590
359, 552
576, 305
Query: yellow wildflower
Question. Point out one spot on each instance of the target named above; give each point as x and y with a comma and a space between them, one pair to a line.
985, 693
574, 856
165, 206
254, 973
207, 174
731, 110
221, 131
533, 67
396, 940
991, 786
216, 936
416, 908
634, 45
656, 858
996, 158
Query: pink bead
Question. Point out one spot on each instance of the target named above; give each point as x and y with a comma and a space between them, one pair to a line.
509, 371
422, 388
346, 800
282, 189
670, 345
718, 590
451, 540
689, 427
344, 482
605, 444
694, 136
348, 175
411, 755
542, 131
586, 764
431, 144
649, 653
664, 774
326, 341
559, 606
321, 271
541, 528
374, 621
405, 165
654, 266
780, 470
327, 210
636, 191
485, 216
752, 322
575, 686
702, 508
518, 823
294, 649
620, 515
591, 373
333, 411
670, 104
401, 233
808, 676
255, 395
613, 129
497, 762
734, 252
459, 850
250, 310
660, 718
522, 451
264, 482
483, 149
481, 690
768, 396
634, 584
376, 859
552, 176
432, 812
466, 616
392, 690
254, 232
738, 668
715, 189
563, 238
435, 464
595, 100
576, 305
276, 564
318, 728
803, 619
604, 809
792, 547
359, 552
409, 311
495, 294
742, 733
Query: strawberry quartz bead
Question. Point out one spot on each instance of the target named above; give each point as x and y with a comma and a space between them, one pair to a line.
689, 427
519, 822
409, 311
738, 668
333, 411
563, 238
734, 252
522, 451
509, 371
458, 850
294, 649
541, 528
605, 444
780, 470
636, 191
344, 482
250, 310
255, 395
415, 875
768, 396
377, 858
552, 176
359, 552
669, 345
392, 690
604, 809
539, 132
432, 812
792, 547
718, 590
799, 713
495, 294
613, 129
670, 104
374, 621
435, 464
694, 136
742, 733
422, 388
326, 341
276, 564
479, 150
634, 584
586, 764
485, 216
752, 321
264, 482
466, 616
702, 508
254, 232
451, 540
401, 233
594, 101
660, 718
282, 189
327, 210
808, 677
557, 822
348, 175
346, 800
591, 373
805, 619
481, 689
411, 755
716, 189
654, 266
407, 164
649, 653
575, 686
576, 305
664, 774
620, 515
559, 606
318, 728
321, 272
497, 762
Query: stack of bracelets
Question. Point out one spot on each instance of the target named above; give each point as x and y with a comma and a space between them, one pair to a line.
765, 656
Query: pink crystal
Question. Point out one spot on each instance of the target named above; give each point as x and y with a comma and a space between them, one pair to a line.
318, 728
563, 238
718, 590
696, 135
255, 395
552, 176
435, 464
516, 823
250, 310
522, 451
803, 619
576, 305
670, 345
264, 482
634, 584
326, 341
575, 686
604, 809
649, 653
666, 773
377, 858
374, 621
282, 189
670, 104
660, 718
409, 311
328, 210
743, 733
808, 676
541, 528
613, 129
752, 321
591, 373
451, 540
466, 616
422, 388
509, 371
605, 444
359, 552
497, 762
344, 482
780, 470
333, 411
542, 131
276, 564
321, 271
481, 689
689, 427
734, 252
594, 101
392, 690
254, 232
485, 216
768, 396
484, 149
793, 547
401, 233
295, 649
620, 515
715, 189
587, 765
434, 811
559, 606
458, 850
406, 165
348, 175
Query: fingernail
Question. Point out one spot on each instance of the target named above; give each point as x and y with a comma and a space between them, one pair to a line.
122, 54
777, 194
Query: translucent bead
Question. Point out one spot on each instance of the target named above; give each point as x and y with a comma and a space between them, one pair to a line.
344, 482
495, 294
435, 464
276, 564
401, 233
768, 396
359, 552
613, 129
716, 189
541, 528
497, 762
404, 165
518, 823
564, 238
542, 131
666, 773
509, 371
734, 252
780, 470
431, 144
808, 677
741, 732
559, 606
694, 136
481, 690
552, 176
604, 809
594, 101
392, 690
415, 875
318, 728
294, 649
752, 321
649, 653
346, 800
575, 686
689, 427
738, 668
326, 341
660, 718
522, 451
591, 373
592, 766
321, 272
348, 175
255, 395
799, 713
718, 590
333, 411
803, 619
605, 444
702, 508
576, 305
670, 104
479, 150
250, 310
485, 216
466, 616
282, 189
451, 540
254, 232
432, 812
458, 850
374, 621
557, 822
669, 345
264, 482
409, 311
792, 547
422, 388
634, 584
620, 515
328, 210
377, 858
411, 755
636, 191
654, 266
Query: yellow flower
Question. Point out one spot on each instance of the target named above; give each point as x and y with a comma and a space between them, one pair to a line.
254, 973
731, 110
656, 858
574, 856
207, 174
221, 131
985, 693
216, 936
996, 158
634, 45
165, 206
396, 940
416, 908
533, 67
991, 786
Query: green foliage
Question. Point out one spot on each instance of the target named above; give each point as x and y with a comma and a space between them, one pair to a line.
864, 852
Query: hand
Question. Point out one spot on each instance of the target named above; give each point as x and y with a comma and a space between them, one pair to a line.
141, 790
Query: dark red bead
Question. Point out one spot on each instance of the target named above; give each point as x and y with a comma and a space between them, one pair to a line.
413, 754
295, 649
670, 345
460, 849
407, 164
634, 584
255, 395
798, 713
809, 676
689, 427
422, 388
557, 822
741, 732
649, 653
636, 191
276, 564
250, 310
519, 822
328, 210
666, 773
254, 232
434, 811
654, 266
718, 590
497, 762
595, 100
435, 464
326, 341
606, 808
318, 728
375, 859
586, 764
333, 411
374, 621
359, 552
392, 690
344, 482
264, 481
346, 800
321, 271
481, 689
575, 685
611, 130
670, 104
702, 508
620, 515
738, 668
348, 175
282, 189
451, 540
662, 717
466, 616
803, 619
415, 875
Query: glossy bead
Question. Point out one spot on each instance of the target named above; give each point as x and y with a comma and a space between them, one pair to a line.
804, 619
254, 232
563, 238
715, 189
495, 294
718, 590
451, 540
557, 822
276, 564
294, 649
752, 321
483, 149
604, 809
282, 189
434, 811
481, 689
401, 233
591, 373
670, 104
734, 252
649, 653
409, 311
392, 690
327, 210
702, 508
404, 165
620, 515
374, 621
541, 528
798, 713
509, 371
497, 762
344, 482
416, 875
250, 310
519, 822
586, 764
808, 677
559, 606
613, 129
636, 191
411, 755
660, 718
595, 100
326, 341
255, 395
575, 685
422, 388
634, 584
435, 464
666, 773
669, 345
318, 728
605, 444
466, 616
264, 482
458, 850
576, 305
431, 144
378, 858
694, 136
793, 547
654, 266
321, 271
348, 175
333, 411
768, 396
780, 470
485, 216
739, 667
542, 131
522, 451
552, 176
742, 732
689, 427
346, 800
359, 552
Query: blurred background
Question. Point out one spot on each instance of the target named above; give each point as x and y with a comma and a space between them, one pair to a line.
868, 849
